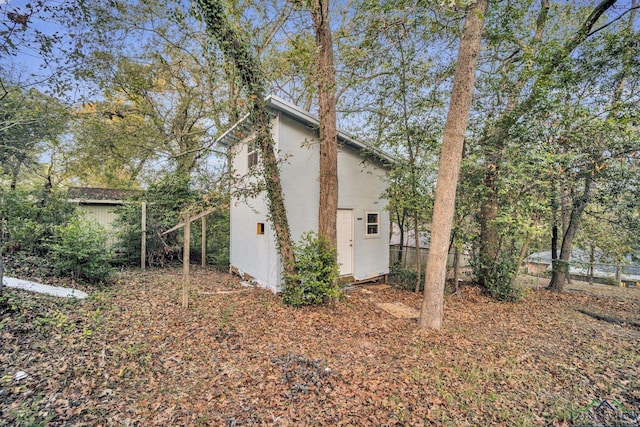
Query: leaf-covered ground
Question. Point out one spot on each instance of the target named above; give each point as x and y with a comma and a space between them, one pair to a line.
130, 356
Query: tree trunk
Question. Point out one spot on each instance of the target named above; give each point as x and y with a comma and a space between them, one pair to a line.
252, 78
456, 268
565, 209
618, 278
401, 220
449, 168
523, 250
328, 208
489, 236
554, 243
561, 265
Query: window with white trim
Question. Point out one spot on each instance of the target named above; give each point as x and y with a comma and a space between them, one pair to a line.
373, 224
252, 155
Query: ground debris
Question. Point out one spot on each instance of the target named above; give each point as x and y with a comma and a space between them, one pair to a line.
129, 355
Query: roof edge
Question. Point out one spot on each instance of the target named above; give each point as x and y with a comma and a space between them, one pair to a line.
279, 104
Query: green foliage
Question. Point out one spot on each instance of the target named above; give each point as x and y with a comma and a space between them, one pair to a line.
403, 277
30, 218
166, 201
218, 238
315, 280
28, 121
499, 278
79, 249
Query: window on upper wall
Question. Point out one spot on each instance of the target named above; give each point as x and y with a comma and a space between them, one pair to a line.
260, 228
252, 155
373, 224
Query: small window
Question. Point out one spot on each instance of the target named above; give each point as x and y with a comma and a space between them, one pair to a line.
252, 155
260, 228
373, 224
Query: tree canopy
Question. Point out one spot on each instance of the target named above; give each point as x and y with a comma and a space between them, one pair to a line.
552, 139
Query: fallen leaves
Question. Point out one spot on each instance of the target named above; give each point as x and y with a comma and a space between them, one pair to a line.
131, 356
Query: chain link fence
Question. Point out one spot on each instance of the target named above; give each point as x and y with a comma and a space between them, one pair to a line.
581, 269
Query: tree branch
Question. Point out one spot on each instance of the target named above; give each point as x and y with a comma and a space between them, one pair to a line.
612, 21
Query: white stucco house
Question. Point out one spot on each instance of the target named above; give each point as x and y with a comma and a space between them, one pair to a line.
362, 221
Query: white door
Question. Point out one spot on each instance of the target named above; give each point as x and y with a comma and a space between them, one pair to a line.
344, 231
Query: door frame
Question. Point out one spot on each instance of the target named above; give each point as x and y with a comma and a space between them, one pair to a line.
351, 252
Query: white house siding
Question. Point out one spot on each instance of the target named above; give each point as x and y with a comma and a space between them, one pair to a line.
299, 172
249, 252
360, 188
361, 185
103, 214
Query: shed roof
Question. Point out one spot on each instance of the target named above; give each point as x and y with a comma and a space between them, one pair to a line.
99, 195
241, 128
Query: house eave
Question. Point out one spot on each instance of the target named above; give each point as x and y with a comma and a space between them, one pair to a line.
238, 131
96, 201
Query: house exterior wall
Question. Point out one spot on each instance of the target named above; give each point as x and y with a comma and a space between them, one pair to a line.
299, 171
103, 214
250, 253
360, 188
361, 185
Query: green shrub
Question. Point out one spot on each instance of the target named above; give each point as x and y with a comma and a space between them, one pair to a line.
315, 281
79, 249
30, 218
403, 277
165, 200
499, 282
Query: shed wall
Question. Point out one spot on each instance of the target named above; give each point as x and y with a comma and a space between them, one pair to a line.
361, 185
103, 214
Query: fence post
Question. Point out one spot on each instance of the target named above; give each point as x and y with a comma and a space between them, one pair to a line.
185, 262
143, 243
204, 241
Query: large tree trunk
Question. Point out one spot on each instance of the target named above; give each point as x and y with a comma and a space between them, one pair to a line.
249, 71
489, 236
328, 209
449, 168
560, 271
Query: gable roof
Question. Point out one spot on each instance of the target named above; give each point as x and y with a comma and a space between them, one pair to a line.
242, 127
99, 195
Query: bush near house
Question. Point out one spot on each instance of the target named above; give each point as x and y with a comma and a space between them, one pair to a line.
317, 273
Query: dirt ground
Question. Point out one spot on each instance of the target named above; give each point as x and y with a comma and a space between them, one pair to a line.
129, 355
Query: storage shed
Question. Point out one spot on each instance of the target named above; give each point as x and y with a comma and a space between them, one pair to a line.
362, 220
